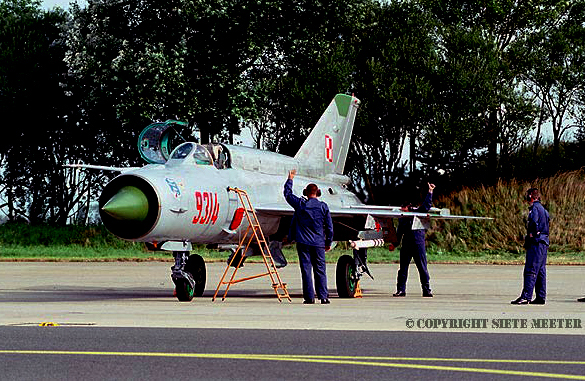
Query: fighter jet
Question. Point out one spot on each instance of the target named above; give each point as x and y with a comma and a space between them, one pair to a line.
181, 198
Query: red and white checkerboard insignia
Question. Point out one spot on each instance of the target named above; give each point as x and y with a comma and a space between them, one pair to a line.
328, 148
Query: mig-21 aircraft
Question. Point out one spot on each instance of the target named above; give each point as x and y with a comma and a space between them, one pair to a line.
181, 198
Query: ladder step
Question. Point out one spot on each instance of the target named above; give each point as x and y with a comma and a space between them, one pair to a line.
258, 236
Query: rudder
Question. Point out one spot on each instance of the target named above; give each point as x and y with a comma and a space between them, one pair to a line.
326, 147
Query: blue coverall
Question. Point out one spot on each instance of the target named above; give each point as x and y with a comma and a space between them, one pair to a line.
536, 244
312, 229
413, 246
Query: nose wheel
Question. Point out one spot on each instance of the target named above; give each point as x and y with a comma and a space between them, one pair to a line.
183, 287
189, 275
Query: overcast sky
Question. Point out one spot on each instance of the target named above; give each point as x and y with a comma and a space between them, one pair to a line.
48, 4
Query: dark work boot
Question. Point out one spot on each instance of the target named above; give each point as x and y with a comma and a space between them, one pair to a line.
426, 291
520, 300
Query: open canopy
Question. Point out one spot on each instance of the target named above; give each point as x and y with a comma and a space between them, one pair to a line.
155, 141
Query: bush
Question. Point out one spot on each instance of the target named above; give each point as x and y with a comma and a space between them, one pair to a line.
563, 195
46, 235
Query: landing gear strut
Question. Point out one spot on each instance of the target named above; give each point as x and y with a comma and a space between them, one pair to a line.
189, 275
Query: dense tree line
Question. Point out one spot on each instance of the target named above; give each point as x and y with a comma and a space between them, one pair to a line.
470, 88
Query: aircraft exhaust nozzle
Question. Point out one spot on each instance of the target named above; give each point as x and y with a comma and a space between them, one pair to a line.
129, 207
129, 204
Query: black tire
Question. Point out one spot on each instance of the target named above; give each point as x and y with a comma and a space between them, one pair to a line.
184, 290
345, 277
196, 267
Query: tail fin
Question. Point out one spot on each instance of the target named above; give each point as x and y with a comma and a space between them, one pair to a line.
326, 147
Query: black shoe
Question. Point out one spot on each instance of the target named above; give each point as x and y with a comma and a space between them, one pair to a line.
538, 301
427, 294
399, 293
520, 300
325, 301
309, 301
581, 300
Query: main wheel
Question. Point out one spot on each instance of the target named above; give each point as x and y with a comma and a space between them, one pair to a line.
196, 267
345, 277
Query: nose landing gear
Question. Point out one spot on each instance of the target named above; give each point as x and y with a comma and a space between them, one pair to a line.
189, 275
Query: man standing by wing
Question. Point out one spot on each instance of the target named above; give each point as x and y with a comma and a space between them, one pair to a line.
411, 231
536, 245
312, 229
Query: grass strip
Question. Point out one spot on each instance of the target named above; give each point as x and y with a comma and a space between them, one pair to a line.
137, 253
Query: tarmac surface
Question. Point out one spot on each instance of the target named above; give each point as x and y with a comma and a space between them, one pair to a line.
119, 321
468, 298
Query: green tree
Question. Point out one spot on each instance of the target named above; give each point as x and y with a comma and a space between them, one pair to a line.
555, 73
481, 110
188, 60
395, 61
312, 61
37, 119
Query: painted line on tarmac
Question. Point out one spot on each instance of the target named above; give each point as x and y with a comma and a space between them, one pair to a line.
341, 360
553, 362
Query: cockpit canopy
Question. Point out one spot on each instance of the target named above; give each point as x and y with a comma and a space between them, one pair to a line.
156, 140
190, 153
197, 154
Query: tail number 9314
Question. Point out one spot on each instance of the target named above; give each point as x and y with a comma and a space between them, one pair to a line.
207, 208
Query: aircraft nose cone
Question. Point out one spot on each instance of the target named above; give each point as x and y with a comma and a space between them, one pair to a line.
128, 204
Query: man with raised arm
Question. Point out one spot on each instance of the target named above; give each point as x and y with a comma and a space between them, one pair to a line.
312, 229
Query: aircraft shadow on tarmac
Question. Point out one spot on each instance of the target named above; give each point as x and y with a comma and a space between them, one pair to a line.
266, 293
81, 294
52, 293
88, 294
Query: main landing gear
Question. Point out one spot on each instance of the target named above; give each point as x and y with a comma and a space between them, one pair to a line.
349, 271
189, 275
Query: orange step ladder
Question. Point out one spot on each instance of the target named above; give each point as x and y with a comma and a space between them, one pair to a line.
256, 236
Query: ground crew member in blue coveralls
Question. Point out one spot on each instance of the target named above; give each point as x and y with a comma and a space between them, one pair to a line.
312, 229
536, 244
413, 246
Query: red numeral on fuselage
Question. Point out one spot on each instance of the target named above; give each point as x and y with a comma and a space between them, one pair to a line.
207, 208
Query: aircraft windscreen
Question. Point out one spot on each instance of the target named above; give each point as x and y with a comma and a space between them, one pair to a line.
201, 156
182, 151
199, 153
